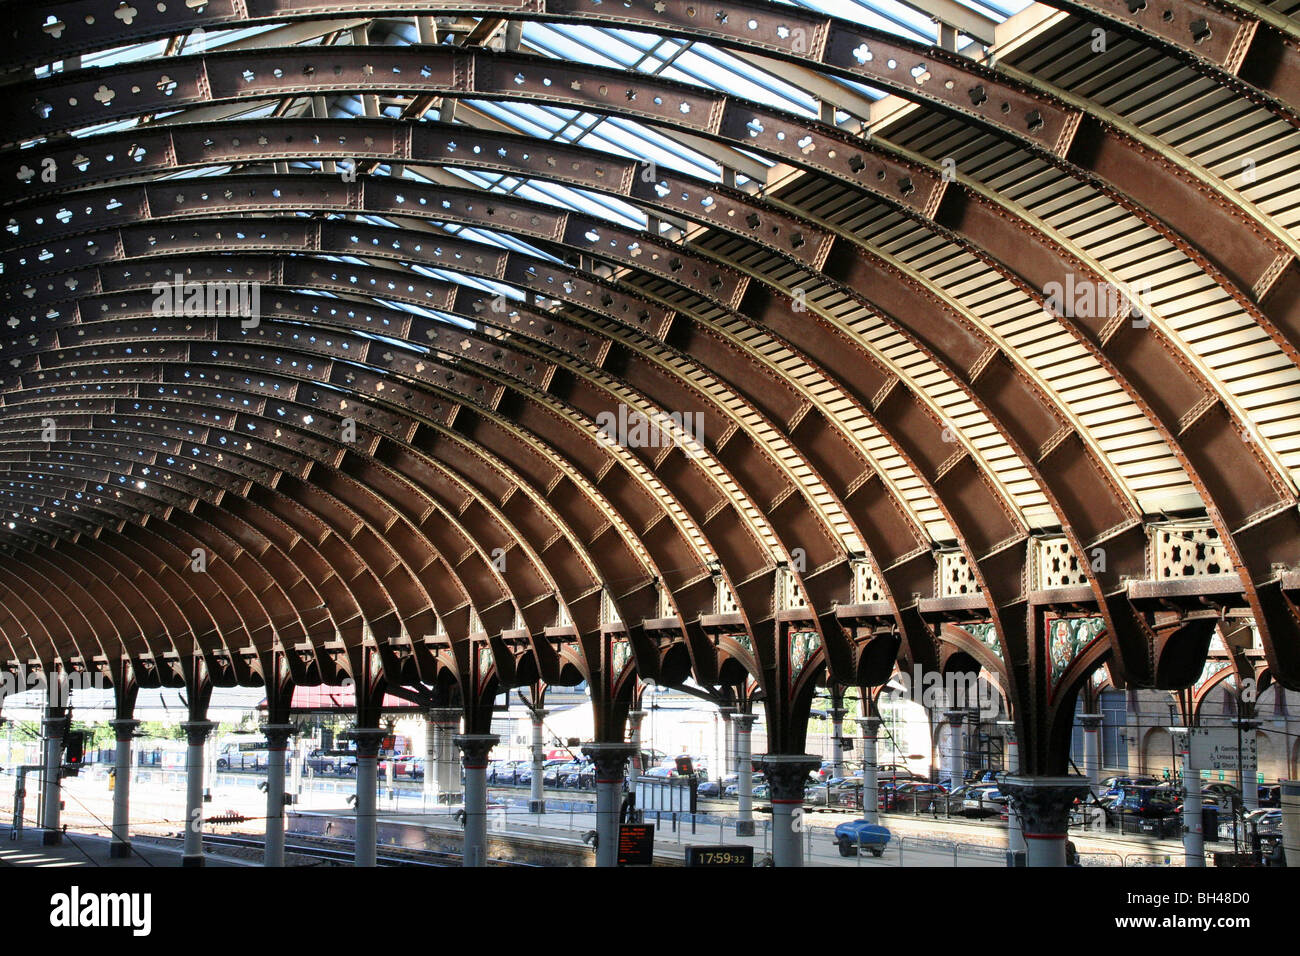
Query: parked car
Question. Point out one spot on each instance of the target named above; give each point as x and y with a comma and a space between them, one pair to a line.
709, 788
409, 767
814, 795
1227, 794
243, 755
921, 796
1114, 784
854, 833
982, 801
1143, 802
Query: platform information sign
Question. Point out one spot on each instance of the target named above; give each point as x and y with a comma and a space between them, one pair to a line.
636, 844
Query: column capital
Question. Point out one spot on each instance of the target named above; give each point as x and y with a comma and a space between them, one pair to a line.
55, 724
956, 717
635, 716
368, 740
838, 713
277, 735
870, 726
1090, 721
444, 715
610, 759
538, 715
474, 749
1043, 803
197, 731
124, 728
788, 773
744, 722
1248, 723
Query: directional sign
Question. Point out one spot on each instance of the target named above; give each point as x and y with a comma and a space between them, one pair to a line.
1216, 748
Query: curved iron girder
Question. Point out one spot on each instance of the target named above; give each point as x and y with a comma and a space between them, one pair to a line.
1252, 58
936, 423
938, 455
112, 438
1170, 361
476, 305
275, 530
761, 650
200, 330
1155, 366
755, 219
1088, 342
118, 640
219, 513
499, 348
661, 475
249, 568
1048, 123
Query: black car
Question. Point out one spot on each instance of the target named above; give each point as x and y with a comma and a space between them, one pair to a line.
1144, 802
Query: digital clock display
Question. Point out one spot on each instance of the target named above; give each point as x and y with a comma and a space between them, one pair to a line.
720, 856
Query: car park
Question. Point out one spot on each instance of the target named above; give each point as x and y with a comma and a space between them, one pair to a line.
921, 797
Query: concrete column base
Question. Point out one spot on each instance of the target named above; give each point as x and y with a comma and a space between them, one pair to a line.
192, 861
536, 806
51, 838
119, 851
745, 828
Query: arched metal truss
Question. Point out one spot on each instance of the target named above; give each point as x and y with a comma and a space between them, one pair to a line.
959, 333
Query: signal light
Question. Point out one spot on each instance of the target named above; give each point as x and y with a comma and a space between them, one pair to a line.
74, 743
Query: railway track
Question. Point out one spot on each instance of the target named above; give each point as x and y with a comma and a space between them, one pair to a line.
332, 852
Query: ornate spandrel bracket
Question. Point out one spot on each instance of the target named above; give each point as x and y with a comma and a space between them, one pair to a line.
788, 773
1043, 803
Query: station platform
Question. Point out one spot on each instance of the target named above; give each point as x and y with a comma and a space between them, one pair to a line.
91, 852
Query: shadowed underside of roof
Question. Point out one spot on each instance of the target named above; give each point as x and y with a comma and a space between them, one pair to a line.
329, 328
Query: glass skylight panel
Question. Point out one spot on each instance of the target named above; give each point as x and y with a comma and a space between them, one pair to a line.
601, 46
720, 69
